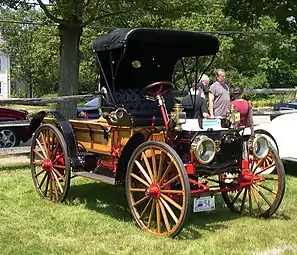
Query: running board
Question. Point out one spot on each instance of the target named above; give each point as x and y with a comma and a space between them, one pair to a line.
98, 177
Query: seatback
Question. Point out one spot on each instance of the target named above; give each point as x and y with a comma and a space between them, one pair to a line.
141, 110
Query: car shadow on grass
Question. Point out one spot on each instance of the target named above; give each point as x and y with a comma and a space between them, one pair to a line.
102, 198
210, 221
109, 200
218, 219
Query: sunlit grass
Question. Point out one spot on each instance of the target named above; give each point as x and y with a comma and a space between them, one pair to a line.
31, 109
95, 220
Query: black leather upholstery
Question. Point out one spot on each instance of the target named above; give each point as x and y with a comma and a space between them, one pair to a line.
141, 110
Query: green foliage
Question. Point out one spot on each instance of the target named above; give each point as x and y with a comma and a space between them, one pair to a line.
33, 50
257, 81
20, 94
254, 60
249, 11
89, 69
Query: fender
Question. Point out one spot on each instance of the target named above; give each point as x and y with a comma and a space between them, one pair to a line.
36, 121
138, 138
66, 130
264, 132
69, 136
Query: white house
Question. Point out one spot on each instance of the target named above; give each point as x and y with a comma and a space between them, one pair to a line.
4, 74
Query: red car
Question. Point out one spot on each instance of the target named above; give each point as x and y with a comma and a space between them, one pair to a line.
14, 127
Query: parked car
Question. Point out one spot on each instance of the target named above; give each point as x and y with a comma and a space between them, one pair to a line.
14, 127
283, 129
284, 106
90, 110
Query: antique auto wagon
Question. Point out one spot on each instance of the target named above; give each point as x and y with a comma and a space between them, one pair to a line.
169, 165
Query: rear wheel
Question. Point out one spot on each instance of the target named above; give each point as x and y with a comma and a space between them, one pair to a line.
265, 193
158, 189
50, 166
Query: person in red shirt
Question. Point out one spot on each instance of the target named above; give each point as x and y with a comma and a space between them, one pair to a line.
243, 107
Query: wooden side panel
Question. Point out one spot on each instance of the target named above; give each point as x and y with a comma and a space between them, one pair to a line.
158, 137
100, 137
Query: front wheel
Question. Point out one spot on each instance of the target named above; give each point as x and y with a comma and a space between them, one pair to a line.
50, 166
158, 189
266, 190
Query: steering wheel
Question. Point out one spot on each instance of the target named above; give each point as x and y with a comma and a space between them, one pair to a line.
157, 89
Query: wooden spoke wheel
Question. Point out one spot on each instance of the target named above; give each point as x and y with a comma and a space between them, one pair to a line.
260, 188
50, 164
268, 164
158, 189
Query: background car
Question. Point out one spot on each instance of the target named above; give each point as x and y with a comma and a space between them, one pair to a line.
14, 127
90, 110
283, 130
284, 106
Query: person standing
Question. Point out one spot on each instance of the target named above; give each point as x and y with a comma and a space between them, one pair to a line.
244, 107
219, 96
201, 86
200, 103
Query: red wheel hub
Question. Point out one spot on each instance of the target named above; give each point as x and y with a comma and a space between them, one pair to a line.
153, 191
47, 164
248, 178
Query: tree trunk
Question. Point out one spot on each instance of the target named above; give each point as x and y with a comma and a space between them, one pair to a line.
69, 67
30, 86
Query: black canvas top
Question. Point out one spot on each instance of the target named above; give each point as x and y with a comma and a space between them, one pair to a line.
186, 43
156, 51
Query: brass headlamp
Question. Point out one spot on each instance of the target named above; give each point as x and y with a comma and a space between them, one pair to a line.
178, 116
259, 145
233, 115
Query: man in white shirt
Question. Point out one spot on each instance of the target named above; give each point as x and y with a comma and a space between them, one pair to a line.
200, 86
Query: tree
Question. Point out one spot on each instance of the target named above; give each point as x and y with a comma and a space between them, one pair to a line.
279, 64
249, 12
73, 15
33, 50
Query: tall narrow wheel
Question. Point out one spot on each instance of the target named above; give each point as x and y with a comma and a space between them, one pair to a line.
258, 190
50, 166
158, 189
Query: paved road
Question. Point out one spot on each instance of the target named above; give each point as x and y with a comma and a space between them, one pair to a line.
261, 119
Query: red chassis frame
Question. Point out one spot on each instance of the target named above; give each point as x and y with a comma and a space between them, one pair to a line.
245, 176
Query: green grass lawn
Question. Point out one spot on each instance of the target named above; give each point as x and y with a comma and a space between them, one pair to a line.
95, 220
32, 109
